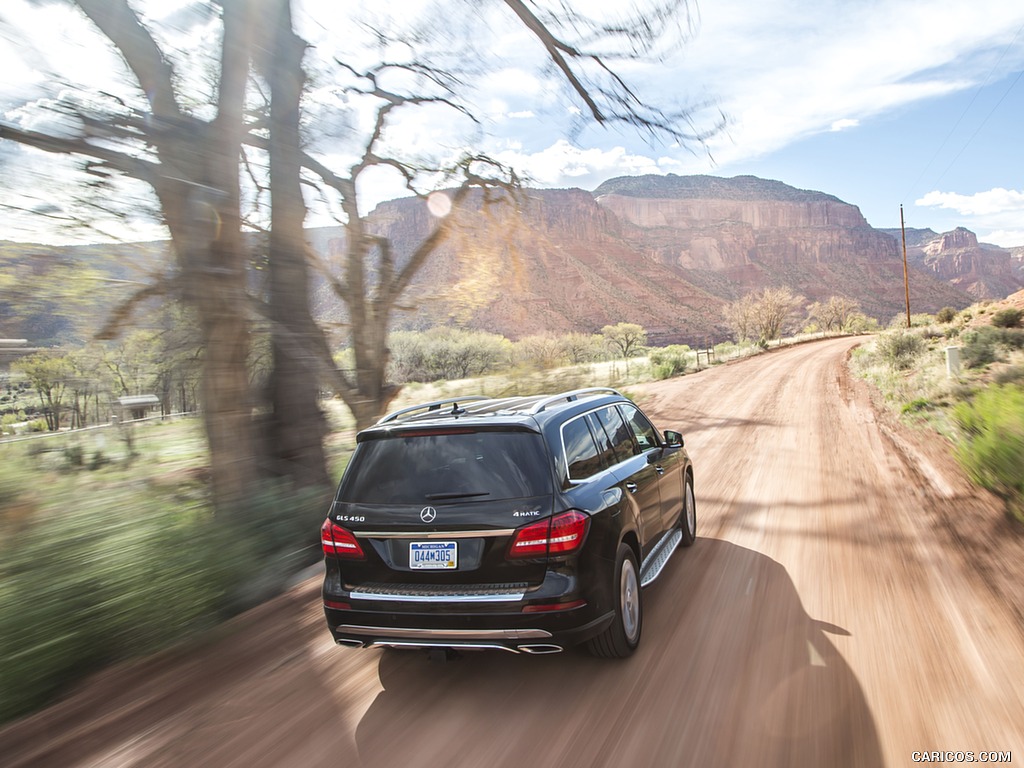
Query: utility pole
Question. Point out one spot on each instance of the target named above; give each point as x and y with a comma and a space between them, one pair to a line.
906, 282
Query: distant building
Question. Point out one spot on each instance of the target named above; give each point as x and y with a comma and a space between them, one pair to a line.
136, 407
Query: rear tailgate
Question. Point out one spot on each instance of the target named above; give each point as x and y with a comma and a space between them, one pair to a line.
439, 506
441, 544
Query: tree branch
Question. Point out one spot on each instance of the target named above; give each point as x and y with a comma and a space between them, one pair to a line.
121, 25
130, 166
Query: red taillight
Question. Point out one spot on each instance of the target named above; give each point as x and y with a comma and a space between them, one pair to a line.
337, 605
339, 542
560, 535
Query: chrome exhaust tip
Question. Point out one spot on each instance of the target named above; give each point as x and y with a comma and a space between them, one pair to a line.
539, 649
349, 643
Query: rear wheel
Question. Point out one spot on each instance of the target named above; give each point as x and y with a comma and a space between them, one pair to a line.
623, 636
688, 520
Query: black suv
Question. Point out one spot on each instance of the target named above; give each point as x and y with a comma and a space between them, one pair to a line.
523, 524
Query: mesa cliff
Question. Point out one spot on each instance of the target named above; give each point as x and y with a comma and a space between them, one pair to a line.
983, 270
667, 252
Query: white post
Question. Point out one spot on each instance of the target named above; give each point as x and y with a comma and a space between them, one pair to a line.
952, 362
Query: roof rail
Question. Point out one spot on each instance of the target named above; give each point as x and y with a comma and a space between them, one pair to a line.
570, 396
433, 406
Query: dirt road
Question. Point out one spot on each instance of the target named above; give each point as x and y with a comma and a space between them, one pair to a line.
823, 618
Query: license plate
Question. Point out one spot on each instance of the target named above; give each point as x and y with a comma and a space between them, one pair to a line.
430, 555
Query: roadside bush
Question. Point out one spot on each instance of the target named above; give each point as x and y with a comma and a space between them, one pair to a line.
979, 347
125, 584
74, 455
982, 345
916, 405
945, 315
129, 583
669, 361
900, 349
992, 446
99, 460
1007, 318
1010, 375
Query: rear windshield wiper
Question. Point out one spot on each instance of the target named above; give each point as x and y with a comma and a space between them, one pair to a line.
457, 495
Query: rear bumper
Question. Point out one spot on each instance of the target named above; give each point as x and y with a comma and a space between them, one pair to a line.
518, 633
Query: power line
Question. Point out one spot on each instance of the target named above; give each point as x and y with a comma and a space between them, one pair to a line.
963, 115
978, 130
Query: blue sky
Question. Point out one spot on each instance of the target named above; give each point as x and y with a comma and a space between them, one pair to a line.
919, 102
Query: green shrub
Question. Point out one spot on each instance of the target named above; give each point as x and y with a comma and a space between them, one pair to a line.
992, 444
918, 404
982, 345
979, 347
74, 455
99, 459
1012, 337
945, 315
1007, 318
1010, 375
900, 349
669, 361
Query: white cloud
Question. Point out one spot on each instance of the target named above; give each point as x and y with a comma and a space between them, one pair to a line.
842, 125
994, 215
1007, 238
563, 165
993, 202
522, 115
784, 70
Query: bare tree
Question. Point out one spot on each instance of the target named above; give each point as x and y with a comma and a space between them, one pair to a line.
739, 315
188, 150
834, 314
192, 166
628, 339
773, 309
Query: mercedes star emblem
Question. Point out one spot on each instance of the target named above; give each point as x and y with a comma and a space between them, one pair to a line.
427, 514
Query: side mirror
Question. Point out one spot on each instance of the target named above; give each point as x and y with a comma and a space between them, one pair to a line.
673, 439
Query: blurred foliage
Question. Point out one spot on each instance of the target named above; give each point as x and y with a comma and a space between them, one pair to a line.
945, 315
992, 447
128, 570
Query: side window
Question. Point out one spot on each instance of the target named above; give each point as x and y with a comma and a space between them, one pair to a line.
644, 432
604, 445
581, 453
619, 435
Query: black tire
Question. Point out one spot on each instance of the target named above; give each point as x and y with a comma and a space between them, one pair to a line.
623, 636
688, 518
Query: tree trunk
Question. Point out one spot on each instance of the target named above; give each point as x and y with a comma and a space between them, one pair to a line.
297, 427
201, 208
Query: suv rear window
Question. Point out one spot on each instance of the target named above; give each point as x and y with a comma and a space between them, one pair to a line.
448, 466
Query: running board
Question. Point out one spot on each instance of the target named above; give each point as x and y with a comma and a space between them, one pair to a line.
655, 562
